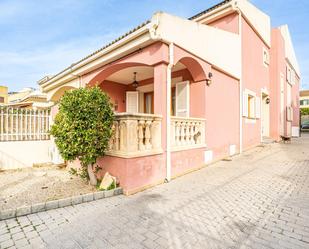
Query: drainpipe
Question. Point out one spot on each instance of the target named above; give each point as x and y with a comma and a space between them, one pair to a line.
168, 111
235, 7
155, 36
77, 76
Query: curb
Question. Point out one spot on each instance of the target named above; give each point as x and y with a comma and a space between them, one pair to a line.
70, 201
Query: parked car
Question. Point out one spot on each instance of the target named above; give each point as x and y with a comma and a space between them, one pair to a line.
305, 126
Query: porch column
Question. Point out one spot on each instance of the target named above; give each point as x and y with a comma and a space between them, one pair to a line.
160, 77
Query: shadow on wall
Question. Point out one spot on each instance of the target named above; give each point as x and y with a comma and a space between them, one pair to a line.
9, 162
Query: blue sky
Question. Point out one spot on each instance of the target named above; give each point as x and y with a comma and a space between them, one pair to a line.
43, 37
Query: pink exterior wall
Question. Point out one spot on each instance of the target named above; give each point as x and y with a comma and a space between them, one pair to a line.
296, 103
198, 99
278, 68
222, 114
117, 92
227, 23
135, 173
186, 161
255, 76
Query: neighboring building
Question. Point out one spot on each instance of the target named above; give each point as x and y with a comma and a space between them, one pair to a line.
304, 99
189, 92
3, 95
15, 97
28, 98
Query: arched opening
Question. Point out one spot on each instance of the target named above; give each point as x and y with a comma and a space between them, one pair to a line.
188, 88
195, 68
60, 92
117, 81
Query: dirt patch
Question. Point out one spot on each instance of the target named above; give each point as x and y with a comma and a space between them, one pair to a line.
34, 185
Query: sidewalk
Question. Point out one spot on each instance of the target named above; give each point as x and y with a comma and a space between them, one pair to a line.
258, 200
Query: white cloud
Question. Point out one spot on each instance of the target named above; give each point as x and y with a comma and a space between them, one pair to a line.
19, 69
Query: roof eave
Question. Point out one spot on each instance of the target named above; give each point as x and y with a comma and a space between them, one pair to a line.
96, 55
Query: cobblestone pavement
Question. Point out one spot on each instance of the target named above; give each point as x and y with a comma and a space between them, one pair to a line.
257, 200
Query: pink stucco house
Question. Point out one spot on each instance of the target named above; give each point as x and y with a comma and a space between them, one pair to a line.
188, 92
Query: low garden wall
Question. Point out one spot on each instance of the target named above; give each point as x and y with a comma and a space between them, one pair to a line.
21, 154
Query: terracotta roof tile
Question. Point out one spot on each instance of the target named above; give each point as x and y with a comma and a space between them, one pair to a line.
102, 48
209, 9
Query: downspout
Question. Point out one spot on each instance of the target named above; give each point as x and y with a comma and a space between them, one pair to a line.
154, 36
235, 7
168, 111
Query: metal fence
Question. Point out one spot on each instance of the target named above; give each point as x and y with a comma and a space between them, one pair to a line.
24, 124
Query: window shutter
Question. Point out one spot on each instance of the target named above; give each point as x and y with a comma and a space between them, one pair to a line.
245, 104
182, 99
289, 113
132, 102
258, 107
293, 77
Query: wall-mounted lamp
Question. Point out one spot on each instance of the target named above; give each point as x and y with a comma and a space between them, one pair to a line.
267, 101
208, 80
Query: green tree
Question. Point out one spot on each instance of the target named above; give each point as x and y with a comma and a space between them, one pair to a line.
83, 127
304, 111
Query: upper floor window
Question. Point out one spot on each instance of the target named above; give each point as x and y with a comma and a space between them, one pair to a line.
290, 75
266, 58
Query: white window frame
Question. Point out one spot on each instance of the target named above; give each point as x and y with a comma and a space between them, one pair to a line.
187, 83
257, 106
266, 58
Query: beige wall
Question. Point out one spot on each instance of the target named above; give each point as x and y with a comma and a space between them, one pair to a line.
4, 94
22, 154
304, 95
18, 95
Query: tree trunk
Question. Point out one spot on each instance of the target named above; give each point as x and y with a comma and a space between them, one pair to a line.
92, 177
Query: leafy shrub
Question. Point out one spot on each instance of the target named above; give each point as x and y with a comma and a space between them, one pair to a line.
83, 127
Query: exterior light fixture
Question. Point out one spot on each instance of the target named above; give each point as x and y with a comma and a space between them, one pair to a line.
208, 80
267, 101
135, 83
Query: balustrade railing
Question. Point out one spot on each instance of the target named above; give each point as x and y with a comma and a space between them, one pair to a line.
187, 133
136, 135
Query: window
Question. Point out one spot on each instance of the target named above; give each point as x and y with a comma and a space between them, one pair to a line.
251, 105
304, 102
266, 57
290, 75
1, 99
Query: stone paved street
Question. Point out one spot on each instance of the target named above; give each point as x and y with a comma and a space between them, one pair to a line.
257, 200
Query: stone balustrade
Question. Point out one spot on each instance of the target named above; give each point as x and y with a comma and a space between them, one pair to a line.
136, 135
187, 133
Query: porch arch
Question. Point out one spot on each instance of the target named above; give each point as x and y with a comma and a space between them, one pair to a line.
105, 73
197, 67
55, 97
194, 67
